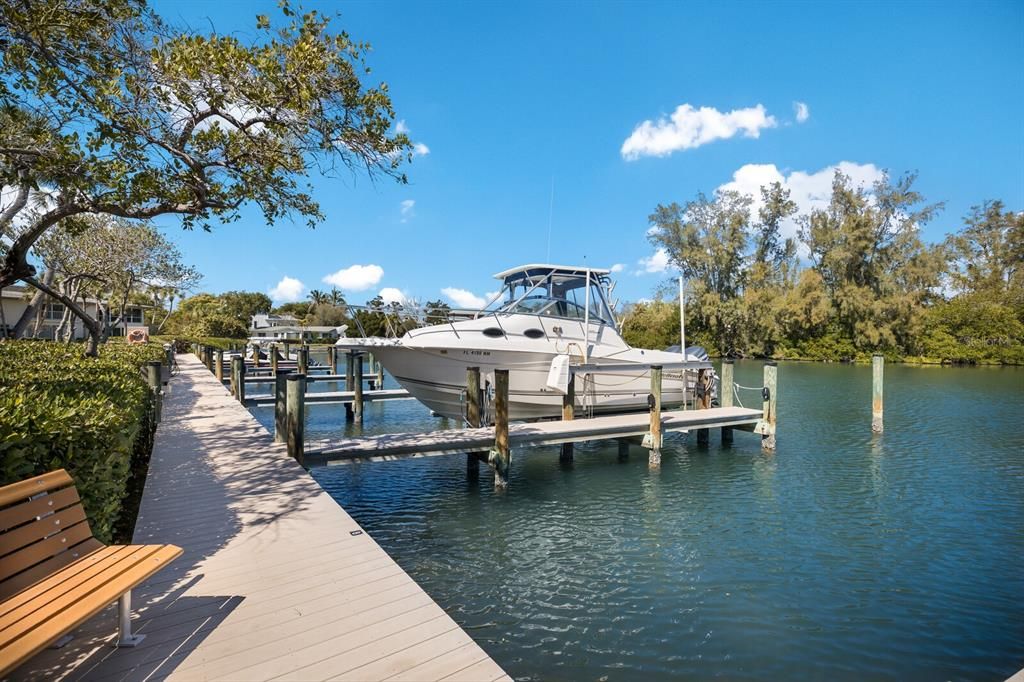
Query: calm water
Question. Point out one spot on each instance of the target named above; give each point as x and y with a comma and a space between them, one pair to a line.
841, 556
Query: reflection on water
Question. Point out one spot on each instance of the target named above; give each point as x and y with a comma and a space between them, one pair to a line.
844, 555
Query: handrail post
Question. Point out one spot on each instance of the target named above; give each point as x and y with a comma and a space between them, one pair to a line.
218, 369
501, 456
568, 413
877, 378
153, 379
357, 399
474, 415
654, 401
281, 405
725, 395
769, 407
296, 416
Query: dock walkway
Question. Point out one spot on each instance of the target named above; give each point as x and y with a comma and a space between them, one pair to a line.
277, 580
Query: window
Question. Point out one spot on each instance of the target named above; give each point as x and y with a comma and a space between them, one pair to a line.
133, 315
54, 311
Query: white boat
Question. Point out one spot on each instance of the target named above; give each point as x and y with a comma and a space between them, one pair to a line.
543, 312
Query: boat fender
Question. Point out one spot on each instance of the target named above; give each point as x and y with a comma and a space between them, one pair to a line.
558, 374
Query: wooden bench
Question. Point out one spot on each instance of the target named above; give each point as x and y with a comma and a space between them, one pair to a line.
54, 575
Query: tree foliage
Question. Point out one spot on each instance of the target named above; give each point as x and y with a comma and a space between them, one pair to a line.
866, 282
106, 109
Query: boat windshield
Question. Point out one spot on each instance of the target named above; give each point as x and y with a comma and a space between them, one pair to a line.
555, 294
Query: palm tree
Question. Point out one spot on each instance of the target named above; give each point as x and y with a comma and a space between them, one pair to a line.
336, 297
317, 297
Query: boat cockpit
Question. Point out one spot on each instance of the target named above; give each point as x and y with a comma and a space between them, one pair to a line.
554, 291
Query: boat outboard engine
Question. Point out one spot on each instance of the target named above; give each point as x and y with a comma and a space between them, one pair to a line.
699, 353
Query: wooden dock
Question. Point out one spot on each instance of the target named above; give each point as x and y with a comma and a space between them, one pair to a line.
277, 580
390, 446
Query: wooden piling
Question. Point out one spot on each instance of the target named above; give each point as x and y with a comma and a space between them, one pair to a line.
208, 357
568, 413
474, 416
218, 367
153, 379
350, 359
654, 401
725, 395
273, 359
281, 405
501, 455
295, 416
255, 355
703, 399
303, 359
769, 406
380, 376
287, 351
238, 377
357, 382
877, 376
332, 358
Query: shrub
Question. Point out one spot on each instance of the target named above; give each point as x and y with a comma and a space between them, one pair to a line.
91, 416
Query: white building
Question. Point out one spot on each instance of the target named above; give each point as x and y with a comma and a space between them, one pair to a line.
271, 327
16, 298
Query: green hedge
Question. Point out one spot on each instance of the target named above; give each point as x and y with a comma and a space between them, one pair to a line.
91, 416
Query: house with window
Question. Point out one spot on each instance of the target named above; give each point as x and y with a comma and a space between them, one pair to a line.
15, 299
271, 327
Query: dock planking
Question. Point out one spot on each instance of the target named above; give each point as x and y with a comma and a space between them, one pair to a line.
334, 396
451, 441
276, 579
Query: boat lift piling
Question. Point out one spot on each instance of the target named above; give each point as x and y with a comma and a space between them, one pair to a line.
877, 376
725, 395
568, 414
474, 416
653, 440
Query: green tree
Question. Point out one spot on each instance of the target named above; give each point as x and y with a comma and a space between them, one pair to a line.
242, 305
878, 273
106, 109
707, 240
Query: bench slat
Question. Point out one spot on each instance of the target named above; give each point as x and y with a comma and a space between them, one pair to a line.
22, 490
30, 533
27, 511
62, 595
75, 609
60, 580
40, 551
14, 586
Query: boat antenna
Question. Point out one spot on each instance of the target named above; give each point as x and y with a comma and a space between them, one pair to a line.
551, 209
682, 320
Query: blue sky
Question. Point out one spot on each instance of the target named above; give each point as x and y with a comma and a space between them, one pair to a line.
510, 97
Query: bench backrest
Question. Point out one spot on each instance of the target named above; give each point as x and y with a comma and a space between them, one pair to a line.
42, 529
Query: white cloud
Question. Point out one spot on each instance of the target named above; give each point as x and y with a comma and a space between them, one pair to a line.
656, 262
463, 298
420, 149
287, 290
689, 128
356, 277
803, 112
808, 190
393, 295
401, 128
408, 209
618, 267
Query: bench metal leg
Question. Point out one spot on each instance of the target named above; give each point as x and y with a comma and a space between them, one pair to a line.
62, 641
125, 638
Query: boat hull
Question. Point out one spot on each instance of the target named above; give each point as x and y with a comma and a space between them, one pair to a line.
437, 378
